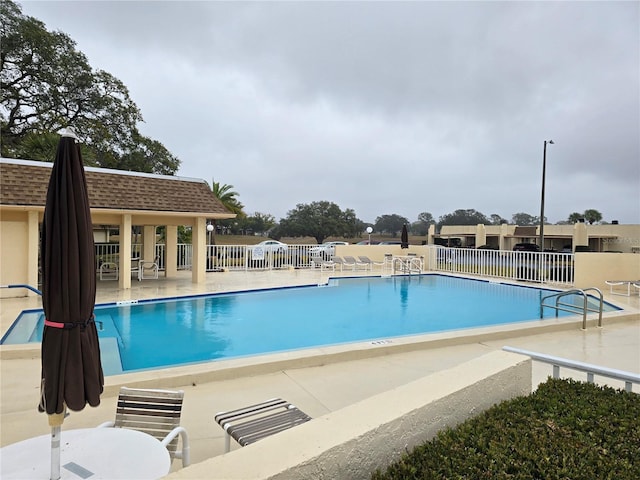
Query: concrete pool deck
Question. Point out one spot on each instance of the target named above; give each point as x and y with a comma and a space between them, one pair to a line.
318, 381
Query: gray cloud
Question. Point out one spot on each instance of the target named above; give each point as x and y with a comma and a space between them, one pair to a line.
384, 107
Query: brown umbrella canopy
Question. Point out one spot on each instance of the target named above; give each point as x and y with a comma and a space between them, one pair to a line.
71, 368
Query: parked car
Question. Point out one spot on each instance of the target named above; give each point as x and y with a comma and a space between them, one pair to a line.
366, 242
326, 249
526, 247
390, 243
272, 246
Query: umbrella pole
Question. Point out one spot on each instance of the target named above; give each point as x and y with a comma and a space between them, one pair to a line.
55, 452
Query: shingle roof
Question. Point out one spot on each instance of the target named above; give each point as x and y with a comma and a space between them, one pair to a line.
25, 183
525, 232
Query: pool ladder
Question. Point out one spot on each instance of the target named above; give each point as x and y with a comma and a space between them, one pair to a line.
572, 308
409, 264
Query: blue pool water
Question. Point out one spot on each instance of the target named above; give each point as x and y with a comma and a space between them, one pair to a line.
153, 334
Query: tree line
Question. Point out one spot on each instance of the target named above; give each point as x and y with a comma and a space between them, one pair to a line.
324, 219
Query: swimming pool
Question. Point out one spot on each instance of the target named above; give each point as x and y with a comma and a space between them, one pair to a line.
161, 333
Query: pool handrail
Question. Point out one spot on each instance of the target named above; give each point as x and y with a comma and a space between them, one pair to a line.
629, 378
22, 285
567, 307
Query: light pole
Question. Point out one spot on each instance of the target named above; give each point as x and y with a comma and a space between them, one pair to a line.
369, 230
209, 253
209, 230
544, 170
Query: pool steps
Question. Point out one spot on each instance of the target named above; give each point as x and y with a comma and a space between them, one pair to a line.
110, 356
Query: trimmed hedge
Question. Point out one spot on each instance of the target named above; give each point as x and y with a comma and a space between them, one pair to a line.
564, 430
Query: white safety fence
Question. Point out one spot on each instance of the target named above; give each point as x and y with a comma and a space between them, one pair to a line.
227, 257
253, 257
547, 267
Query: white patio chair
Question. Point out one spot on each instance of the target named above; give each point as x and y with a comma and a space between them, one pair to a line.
109, 271
135, 267
149, 270
156, 413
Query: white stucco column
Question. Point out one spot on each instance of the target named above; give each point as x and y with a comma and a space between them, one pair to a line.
199, 240
33, 239
580, 237
148, 243
171, 252
430, 234
124, 264
504, 231
481, 235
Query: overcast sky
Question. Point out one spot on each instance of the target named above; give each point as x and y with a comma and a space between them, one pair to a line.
383, 107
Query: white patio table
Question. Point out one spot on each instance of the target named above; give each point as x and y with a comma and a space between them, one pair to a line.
88, 453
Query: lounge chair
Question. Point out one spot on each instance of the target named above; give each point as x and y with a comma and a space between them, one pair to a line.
156, 413
370, 263
255, 422
319, 262
357, 263
343, 263
617, 283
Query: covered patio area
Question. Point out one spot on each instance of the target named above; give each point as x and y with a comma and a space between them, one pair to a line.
122, 201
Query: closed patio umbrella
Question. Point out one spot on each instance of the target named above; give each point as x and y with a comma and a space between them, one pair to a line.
71, 370
404, 237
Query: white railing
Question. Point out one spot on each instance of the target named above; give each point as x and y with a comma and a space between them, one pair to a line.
110, 252
252, 257
185, 256
547, 267
538, 267
629, 378
228, 257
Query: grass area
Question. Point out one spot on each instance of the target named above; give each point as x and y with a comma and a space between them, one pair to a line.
564, 430
252, 239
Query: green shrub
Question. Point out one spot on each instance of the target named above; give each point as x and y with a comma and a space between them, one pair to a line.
564, 430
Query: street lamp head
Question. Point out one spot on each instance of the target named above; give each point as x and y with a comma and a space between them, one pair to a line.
550, 142
369, 229
209, 228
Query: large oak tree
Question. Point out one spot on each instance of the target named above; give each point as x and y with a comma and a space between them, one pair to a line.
319, 220
47, 85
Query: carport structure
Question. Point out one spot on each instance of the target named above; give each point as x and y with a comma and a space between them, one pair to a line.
117, 198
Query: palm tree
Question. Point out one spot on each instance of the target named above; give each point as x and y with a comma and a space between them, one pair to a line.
227, 197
